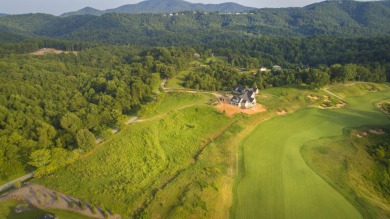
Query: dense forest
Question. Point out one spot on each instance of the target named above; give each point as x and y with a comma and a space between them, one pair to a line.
54, 102
346, 19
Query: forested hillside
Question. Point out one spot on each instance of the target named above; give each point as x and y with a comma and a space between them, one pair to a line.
164, 6
56, 103
345, 19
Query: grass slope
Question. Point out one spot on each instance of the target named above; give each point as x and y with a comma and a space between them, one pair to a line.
344, 162
275, 181
130, 171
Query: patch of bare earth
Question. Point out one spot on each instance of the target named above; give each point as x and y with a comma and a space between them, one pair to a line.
231, 110
377, 131
44, 198
51, 51
313, 97
281, 113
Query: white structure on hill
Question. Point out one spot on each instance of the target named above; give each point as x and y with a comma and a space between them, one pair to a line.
245, 97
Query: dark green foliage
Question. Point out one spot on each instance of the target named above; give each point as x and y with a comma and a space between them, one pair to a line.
54, 102
347, 19
166, 6
378, 146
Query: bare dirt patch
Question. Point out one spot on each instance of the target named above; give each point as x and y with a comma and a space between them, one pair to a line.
230, 110
377, 131
313, 97
44, 198
281, 113
51, 51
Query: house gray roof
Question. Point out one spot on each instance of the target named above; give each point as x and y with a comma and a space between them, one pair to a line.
247, 96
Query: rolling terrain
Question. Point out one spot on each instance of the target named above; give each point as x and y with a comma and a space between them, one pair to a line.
275, 181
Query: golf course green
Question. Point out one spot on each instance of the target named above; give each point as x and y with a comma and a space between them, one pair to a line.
274, 180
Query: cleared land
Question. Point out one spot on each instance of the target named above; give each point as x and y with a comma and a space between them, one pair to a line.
275, 181
51, 51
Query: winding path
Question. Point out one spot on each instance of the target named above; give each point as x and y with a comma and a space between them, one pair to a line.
333, 94
11, 183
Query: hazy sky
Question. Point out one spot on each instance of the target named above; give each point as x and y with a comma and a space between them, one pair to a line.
58, 7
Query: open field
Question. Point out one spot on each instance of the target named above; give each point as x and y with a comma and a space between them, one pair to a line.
129, 174
177, 81
275, 181
177, 100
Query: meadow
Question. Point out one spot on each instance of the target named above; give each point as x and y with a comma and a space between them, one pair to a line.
149, 166
275, 182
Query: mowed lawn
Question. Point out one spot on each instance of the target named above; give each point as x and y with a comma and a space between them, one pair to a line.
275, 181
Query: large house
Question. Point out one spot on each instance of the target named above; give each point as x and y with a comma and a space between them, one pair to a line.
245, 97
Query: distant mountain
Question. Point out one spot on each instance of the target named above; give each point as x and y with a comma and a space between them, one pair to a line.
331, 18
164, 6
2, 15
84, 11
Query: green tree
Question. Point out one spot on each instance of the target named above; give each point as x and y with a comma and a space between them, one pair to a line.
40, 159
18, 185
317, 79
71, 122
85, 139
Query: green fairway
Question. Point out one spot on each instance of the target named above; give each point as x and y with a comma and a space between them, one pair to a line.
275, 181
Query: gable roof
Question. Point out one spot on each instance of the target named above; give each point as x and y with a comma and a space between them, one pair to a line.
247, 96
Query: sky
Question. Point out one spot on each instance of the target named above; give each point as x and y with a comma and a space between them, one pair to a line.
57, 7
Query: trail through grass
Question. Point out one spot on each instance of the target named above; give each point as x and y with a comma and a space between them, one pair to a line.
275, 180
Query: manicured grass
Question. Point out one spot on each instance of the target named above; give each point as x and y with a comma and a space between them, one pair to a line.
275, 181
345, 163
7, 211
289, 98
356, 88
140, 162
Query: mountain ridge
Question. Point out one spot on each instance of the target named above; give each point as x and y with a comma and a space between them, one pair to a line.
347, 19
163, 6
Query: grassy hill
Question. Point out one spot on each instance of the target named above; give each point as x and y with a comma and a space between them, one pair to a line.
168, 165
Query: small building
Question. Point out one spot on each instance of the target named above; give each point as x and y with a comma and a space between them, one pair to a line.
276, 68
239, 90
245, 98
263, 69
196, 55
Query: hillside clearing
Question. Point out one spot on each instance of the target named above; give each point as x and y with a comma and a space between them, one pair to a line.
52, 51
